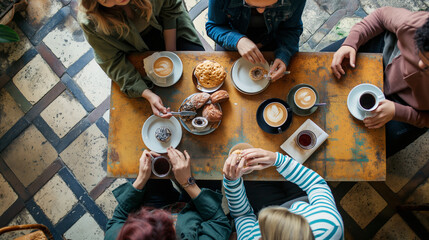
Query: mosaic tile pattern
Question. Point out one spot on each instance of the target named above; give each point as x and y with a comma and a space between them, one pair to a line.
54, 129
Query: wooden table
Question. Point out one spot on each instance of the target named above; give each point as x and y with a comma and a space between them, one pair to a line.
351, 153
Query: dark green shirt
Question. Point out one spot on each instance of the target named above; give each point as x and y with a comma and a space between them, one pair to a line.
202, 218
110, 50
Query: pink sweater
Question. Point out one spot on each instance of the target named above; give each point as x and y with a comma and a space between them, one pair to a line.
403, 75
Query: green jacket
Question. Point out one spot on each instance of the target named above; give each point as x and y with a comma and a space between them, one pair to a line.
202, 218
111, 50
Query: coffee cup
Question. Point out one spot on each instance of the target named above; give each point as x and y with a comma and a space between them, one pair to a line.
305, 98
275, 115
161, 166
163, 67
368, 101
306, 139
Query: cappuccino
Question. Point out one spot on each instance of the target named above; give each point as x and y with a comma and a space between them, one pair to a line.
275, 114
305, 98
163, 66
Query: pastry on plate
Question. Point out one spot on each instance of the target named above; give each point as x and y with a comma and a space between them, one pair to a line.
188, 106
219, 96
257, 73
210, 74
199, 99
212, 113
163, 134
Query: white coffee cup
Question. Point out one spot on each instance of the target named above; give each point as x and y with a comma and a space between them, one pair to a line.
368, 101
163, 67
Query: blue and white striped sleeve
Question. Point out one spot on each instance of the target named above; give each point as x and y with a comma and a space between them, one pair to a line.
245, 219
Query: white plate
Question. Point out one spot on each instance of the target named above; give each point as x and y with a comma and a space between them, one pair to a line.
352, 99
148, 133
241, 79
177, 72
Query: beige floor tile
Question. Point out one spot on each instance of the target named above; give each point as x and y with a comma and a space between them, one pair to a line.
85, 157
85, 228
7, 195
106, 116
39, 11
419, 197
94, 83
363, 203
63, 113
394, 229
35, 79
200, 23
67, 42
10, 112
55, 199
314, 16
29, 155
402, 166
24, 217
10, 52
106, 201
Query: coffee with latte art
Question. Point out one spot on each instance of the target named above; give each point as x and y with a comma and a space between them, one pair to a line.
305, 98
163, 67
275, 114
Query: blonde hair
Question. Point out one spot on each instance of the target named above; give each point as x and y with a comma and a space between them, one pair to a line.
277, 223
108, 20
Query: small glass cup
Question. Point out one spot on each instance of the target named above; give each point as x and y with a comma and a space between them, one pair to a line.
306, 139
161, 166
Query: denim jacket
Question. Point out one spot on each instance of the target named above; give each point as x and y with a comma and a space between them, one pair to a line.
228, 21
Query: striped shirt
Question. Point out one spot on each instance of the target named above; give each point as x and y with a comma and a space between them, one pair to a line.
321, 213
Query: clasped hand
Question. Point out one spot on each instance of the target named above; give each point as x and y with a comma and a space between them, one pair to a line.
249, 160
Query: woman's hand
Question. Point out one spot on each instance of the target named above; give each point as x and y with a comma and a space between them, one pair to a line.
234, 167
258, 159
248, 49
381, 115
277, 69
340, 54
145, 169
156, 104
181, 165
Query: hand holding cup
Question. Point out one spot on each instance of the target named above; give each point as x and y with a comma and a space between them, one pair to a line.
181, 164
258, 159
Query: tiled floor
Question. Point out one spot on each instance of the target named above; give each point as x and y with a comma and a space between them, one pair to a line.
54, 102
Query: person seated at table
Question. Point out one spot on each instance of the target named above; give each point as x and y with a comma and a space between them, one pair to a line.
252, 26
314, 218
115, 28
201, 218
403, 38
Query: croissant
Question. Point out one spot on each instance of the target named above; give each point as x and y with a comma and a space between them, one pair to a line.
212, 113
199, 99
219, 96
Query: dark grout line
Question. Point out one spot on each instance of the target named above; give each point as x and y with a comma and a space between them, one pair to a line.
46, 131
79, 128
58, 18
51, 59
41, 218
418, 178
103, 126
414, 223
3, 80
77, 92
11, 212
19, 98
100, 110
13, 133
13, 181
83, 197
46, 175
70, 219
45, 101
378, 222
101, 187
21, 62
76, 67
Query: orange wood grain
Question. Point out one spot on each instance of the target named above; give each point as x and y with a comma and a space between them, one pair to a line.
351, 153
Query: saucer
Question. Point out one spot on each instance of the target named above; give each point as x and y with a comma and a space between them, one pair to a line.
352, 99
298, 111
148, 133
267, 128
177, 71
242, 81
188, 124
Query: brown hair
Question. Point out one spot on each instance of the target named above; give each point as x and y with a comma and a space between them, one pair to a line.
108, 19
277, 223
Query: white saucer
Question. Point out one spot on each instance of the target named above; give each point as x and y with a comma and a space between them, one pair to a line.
241, 79
352, 99
177, 72
148, 133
